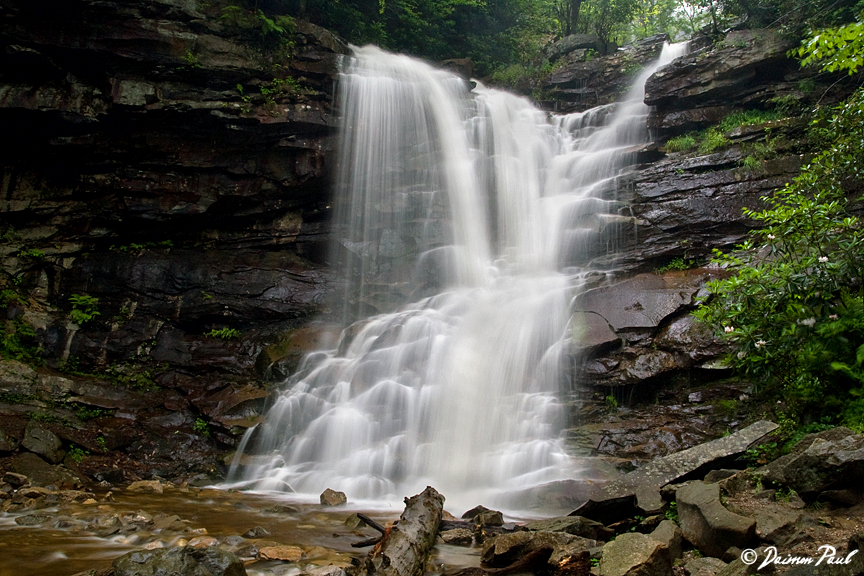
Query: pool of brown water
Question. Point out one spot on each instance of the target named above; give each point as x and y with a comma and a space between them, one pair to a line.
72, 537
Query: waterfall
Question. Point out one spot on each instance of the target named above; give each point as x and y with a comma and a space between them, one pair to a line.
466, 221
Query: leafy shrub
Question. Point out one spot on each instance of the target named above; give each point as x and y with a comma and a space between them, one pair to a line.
83, 308
676, 264
77, 454
224, 333
201, 427
794, 307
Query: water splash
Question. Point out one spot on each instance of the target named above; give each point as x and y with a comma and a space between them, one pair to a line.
466, 218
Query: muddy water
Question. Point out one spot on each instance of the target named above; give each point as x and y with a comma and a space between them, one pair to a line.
79, 537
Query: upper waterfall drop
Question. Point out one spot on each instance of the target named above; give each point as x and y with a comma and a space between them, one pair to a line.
465, 220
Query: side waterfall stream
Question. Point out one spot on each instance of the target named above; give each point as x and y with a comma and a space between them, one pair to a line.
466, 220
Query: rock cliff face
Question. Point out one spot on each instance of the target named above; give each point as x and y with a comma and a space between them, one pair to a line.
175, 165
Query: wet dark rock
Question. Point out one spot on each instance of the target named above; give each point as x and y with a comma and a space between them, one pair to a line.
577, 85
568, 44
40, 440
780, 525
15, 480
707, 524
41, 473
256, 532
830, 460
32, 519
210, 561
704, 566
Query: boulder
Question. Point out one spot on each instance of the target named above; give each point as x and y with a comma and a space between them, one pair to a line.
669, 534
704, 566
457, 537
618, 500
821, 462
576, 525
284, 553
489, 518
332, 498
634, 554
149, 486
573, 42
210, 561
40, 440
780, 525
707, 524
505, 549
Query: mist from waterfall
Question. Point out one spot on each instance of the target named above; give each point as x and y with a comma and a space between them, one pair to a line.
466, 221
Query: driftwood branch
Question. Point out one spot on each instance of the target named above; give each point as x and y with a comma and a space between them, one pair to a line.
404, 548
371, 523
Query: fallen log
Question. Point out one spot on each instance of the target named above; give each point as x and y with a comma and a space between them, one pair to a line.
404, 548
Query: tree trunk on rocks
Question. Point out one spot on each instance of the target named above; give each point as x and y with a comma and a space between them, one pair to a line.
405, 547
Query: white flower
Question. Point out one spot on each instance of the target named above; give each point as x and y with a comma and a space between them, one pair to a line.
741, 355
771, 237
760, 343
823, 259
833, 316
728, 329
808, 322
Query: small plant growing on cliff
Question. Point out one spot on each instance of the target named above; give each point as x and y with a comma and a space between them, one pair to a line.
201, 427
681, 143
77, 454
103, 445
83, 308
611, 403
32, 254
676, 264
672, 512
224, 333
191, 59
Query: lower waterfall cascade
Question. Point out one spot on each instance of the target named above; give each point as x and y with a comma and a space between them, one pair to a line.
466, 222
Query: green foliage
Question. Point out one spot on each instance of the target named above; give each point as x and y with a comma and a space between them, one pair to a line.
85, 413
103, 445
77, 453
712, 140
224, 333
32, 254
762, 454
206, 296
136, 247
676, 264
835, 49
681, 143
201, 427
18, 340
191, 59
748, 118
611, 403
794, 306
8, 297
83, 308
132, 375
672, 512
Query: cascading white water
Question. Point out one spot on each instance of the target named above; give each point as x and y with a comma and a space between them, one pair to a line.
487, 208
